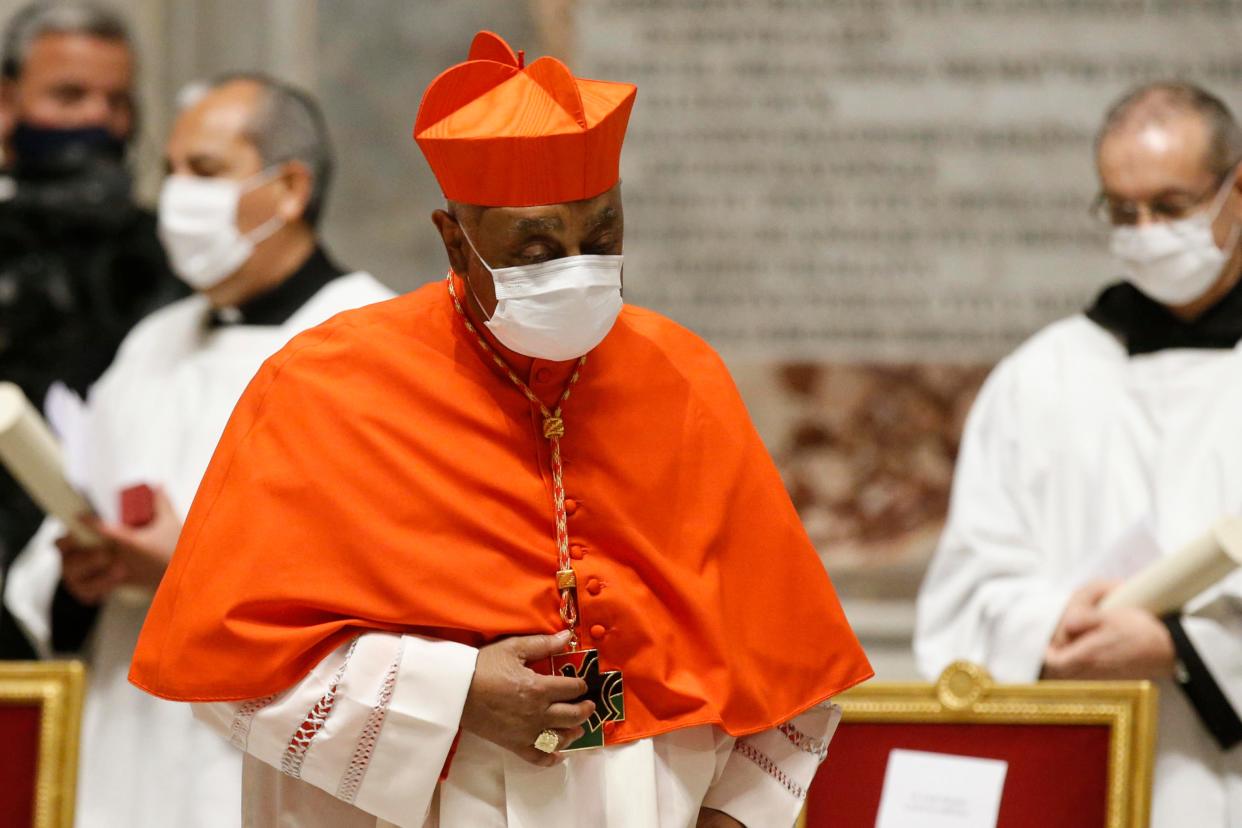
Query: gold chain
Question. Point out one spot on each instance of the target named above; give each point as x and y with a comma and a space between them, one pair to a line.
553, 431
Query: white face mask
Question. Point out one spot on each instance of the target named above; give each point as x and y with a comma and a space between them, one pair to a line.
556, 310
1175, 262
198, 226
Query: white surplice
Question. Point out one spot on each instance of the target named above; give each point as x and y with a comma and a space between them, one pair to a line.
155, 417
1071, 445
362, 741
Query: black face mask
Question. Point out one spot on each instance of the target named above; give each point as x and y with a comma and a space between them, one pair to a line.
73, 178
47, 152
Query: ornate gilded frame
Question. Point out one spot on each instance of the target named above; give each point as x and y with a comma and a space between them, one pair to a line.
57, 688
966, 694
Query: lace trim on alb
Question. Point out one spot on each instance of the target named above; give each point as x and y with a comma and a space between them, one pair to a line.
351, 781
239, 732
768, 766
807, 744
300, 742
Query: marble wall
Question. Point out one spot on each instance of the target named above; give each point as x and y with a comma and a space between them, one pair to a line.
892, 180
372, 70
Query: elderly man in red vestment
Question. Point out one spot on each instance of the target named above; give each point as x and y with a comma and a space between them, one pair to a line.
505, 551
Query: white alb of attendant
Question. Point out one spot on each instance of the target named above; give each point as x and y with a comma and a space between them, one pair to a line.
1071, 445
362, 741
155, 417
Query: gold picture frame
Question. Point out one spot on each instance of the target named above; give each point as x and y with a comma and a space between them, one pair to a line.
57, 688
966, 694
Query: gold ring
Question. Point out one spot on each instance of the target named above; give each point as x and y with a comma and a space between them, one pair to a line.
548, 741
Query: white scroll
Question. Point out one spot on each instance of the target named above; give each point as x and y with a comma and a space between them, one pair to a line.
32, 455
1169, 583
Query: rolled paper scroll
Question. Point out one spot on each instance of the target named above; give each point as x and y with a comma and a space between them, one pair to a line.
1168, 584
32, 455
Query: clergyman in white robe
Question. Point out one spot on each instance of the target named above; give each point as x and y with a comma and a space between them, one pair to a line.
155, 418
1083, 458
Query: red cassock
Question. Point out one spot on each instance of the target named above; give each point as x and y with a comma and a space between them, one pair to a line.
382, 473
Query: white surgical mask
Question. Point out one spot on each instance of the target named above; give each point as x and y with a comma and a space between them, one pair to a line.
556, 310
198, 226
1175, 262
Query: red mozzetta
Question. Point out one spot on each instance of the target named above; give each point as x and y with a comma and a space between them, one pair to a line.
382, 473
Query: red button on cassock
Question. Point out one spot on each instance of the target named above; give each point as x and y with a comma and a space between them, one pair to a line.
543, 375
594, 586
577, 551
598, 631
571, 505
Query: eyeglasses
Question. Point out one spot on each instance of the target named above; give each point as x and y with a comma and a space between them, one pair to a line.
1172, 207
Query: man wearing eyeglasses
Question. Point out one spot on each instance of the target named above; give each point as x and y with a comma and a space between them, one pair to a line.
1109, 439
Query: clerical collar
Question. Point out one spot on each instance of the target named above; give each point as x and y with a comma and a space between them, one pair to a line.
1145, 326
278, 304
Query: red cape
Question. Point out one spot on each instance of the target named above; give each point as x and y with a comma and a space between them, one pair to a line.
380, 473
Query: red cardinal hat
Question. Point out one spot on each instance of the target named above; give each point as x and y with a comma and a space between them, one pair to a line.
501, 134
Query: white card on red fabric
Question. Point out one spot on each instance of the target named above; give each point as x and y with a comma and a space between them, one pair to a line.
938, 790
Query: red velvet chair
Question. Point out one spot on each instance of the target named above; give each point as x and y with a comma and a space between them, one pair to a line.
1080, 753
40, 713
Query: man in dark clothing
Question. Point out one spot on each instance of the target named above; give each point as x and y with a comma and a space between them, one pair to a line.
79, 260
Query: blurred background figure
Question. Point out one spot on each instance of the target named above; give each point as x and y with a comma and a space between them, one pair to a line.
1111, 438
79, 259
249, 163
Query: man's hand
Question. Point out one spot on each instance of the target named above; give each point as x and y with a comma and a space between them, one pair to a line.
1082, 612
710, 818
145, 550
1118, 644
130, 555
510, 704
90, 572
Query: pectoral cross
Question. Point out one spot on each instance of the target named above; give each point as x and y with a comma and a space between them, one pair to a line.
605, 688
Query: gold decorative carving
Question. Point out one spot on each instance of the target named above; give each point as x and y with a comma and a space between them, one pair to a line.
56, 688
966, 694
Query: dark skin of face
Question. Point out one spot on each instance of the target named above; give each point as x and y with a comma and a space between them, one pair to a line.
513, 236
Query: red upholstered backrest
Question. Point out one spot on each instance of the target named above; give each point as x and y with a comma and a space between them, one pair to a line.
1058, 774
19, 763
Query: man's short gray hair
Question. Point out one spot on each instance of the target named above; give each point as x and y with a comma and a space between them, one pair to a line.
288, 125
1154, 103
57, 17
